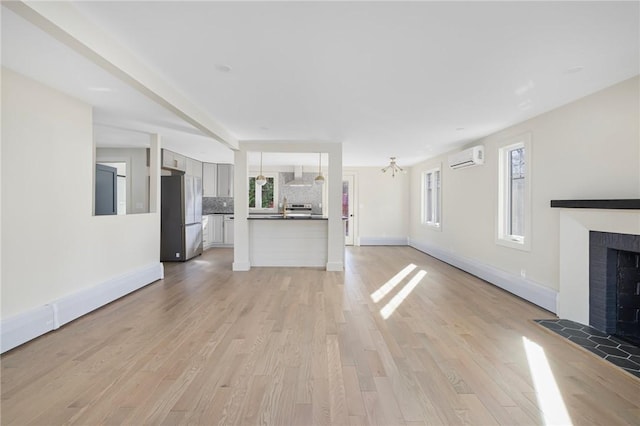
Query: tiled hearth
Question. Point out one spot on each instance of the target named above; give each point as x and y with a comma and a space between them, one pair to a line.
610, 348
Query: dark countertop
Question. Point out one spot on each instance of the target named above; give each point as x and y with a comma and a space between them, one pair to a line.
623, 204
280, 217
208, 213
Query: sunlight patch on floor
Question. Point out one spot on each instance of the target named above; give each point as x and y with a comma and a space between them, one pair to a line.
380, 293
201, 262
549, 397
397, 300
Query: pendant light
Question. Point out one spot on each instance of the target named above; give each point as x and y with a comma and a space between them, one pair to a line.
319, 179
393, 167
260, 179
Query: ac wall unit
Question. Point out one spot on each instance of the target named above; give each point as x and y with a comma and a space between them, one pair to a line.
469, 157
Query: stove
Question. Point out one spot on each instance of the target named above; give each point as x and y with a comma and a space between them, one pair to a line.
298, 210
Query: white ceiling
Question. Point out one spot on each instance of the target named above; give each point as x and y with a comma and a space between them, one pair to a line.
404, 79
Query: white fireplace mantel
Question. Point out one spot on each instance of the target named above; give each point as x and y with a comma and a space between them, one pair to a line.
575, 224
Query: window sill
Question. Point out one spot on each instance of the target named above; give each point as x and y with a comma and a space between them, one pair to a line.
518, 244
261, 211
433, 226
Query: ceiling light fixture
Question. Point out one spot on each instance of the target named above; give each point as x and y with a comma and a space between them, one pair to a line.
223, 68
260, 179
574, 70
393, 167
319, 179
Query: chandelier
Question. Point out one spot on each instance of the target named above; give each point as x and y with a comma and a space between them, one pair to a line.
260, 179
319, 179
393, 167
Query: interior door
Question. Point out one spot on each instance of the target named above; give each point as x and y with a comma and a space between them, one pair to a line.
347, 208
106, 190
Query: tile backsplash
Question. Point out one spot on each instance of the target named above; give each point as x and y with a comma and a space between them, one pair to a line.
211, 205
300, 194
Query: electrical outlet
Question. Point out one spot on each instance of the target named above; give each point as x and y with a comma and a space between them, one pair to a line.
224, 204
177, 255
523, 273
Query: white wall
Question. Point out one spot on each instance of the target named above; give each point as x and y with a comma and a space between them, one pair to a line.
52, 245
587, 149
382, 206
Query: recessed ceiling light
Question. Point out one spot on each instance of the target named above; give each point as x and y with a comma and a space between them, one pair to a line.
528, 86
264, 128
574, 70
459, 129
526, 104
223, 68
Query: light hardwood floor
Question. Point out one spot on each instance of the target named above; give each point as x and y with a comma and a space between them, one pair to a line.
303, 346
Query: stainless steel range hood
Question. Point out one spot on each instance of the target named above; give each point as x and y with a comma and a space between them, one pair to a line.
297, 178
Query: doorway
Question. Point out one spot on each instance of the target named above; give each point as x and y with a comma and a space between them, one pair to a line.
111, 187
348, 184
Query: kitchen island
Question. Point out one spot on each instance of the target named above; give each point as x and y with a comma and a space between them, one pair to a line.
277, 240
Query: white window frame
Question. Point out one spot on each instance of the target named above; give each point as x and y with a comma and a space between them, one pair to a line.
435, 202
503, 237
275, 195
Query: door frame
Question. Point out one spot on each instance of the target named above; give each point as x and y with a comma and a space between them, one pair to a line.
354, 194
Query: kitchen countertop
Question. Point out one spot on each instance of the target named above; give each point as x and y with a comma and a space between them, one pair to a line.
280, 217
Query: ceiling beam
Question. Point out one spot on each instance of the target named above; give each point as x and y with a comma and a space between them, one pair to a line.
65, 23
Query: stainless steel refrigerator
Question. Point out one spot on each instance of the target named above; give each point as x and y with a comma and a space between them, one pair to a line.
180, 217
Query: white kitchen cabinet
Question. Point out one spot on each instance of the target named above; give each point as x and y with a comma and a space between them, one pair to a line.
228, 229
225, 180
194, 167
216, 234
174, 161
210, 180
212, 230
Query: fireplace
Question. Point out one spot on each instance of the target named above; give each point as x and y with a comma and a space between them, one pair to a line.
614, 284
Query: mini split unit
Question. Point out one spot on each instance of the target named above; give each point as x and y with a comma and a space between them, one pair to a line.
467, 158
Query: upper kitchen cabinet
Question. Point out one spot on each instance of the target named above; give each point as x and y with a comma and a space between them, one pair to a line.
210, 179
225, 180
174, 161
194, 167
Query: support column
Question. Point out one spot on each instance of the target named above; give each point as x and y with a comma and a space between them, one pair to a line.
240, 212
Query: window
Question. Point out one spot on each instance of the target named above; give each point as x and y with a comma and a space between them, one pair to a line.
431, 198
514, 194
262, 197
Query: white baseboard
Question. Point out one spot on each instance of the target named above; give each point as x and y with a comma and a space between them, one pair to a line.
26, 326
240, 266
529, 290
383, 241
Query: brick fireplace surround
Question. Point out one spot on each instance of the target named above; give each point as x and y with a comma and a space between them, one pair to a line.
577, 221
603, 251
590, 234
